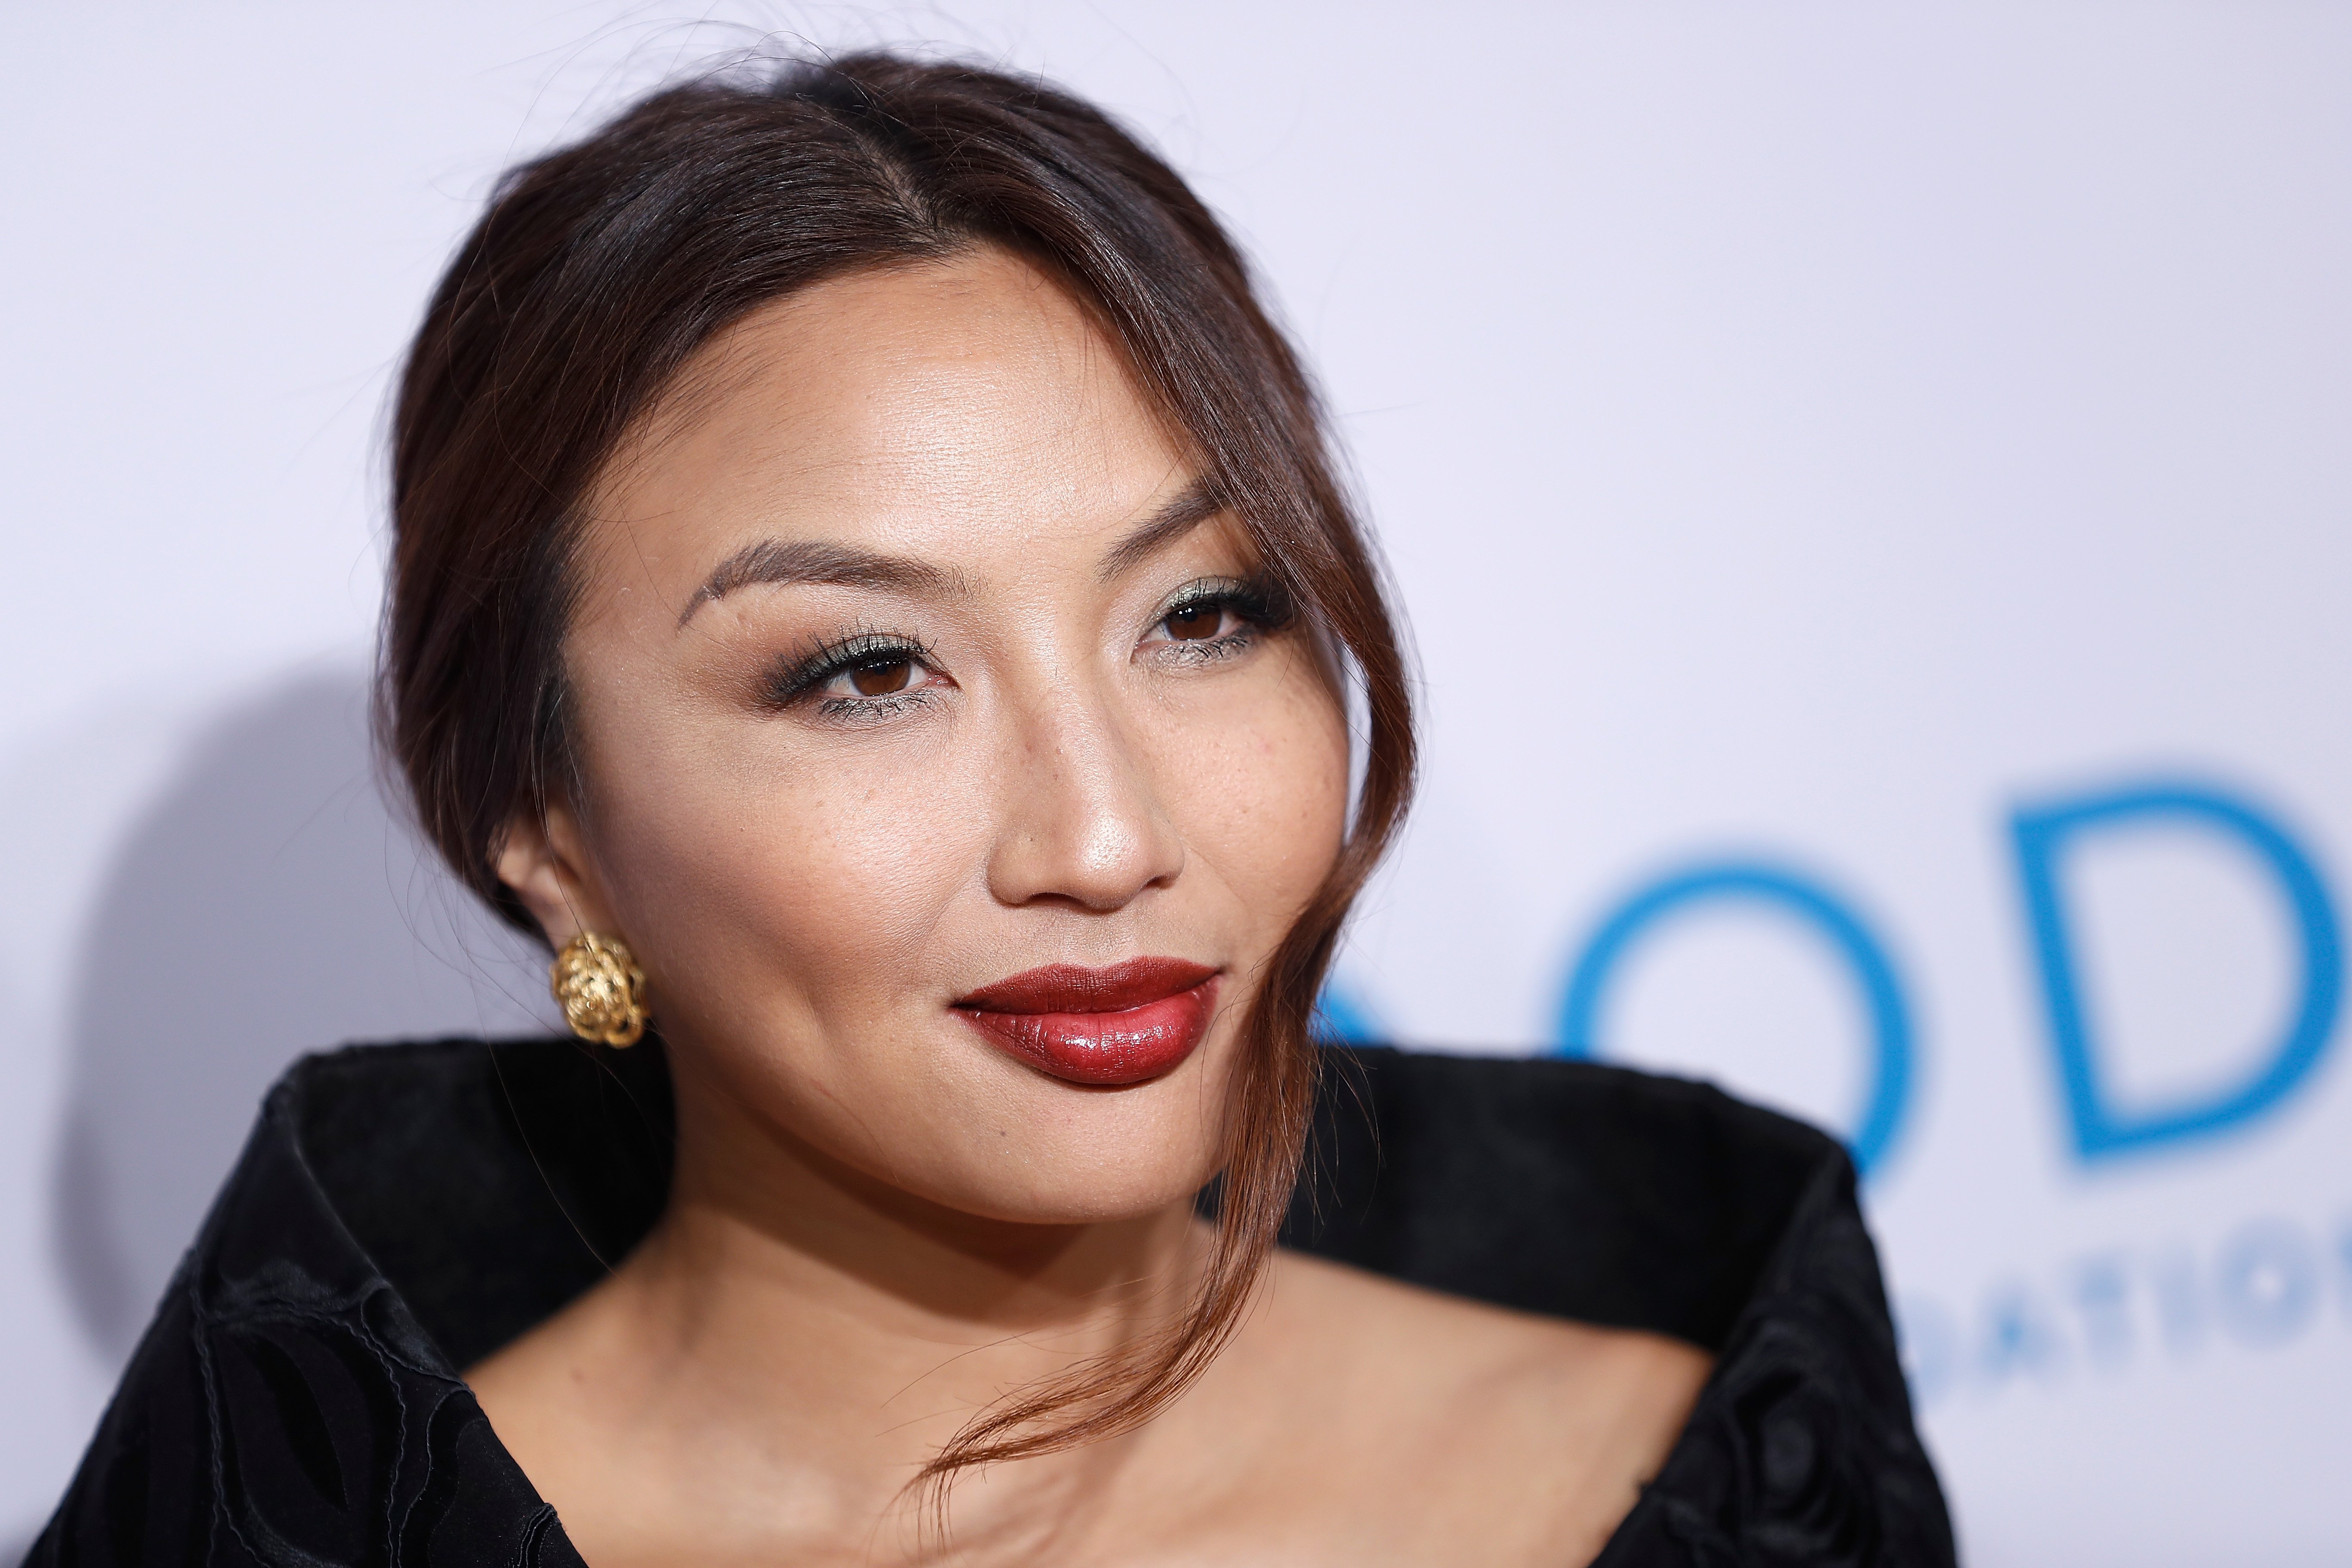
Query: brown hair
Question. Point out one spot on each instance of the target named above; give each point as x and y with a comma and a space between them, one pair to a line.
599, 269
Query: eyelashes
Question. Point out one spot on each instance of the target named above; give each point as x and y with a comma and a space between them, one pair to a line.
1214, 618
1258, 599
882, 673
870, 676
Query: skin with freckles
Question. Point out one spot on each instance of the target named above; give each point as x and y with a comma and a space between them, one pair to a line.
910, 657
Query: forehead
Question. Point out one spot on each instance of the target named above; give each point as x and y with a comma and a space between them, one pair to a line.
930, 406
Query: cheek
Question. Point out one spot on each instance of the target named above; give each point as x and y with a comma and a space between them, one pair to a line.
1263, 800
765, 884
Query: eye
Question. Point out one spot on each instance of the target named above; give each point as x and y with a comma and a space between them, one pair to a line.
1198, 620
885, 677
866, 676
1214, 618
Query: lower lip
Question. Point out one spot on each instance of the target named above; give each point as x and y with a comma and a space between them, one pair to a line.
1131, 1046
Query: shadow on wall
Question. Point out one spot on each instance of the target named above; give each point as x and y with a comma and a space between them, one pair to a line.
266, 906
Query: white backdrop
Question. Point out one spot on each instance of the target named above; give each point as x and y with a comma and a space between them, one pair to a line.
1851, 469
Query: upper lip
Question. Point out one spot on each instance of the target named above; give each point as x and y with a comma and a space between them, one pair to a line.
1073, 988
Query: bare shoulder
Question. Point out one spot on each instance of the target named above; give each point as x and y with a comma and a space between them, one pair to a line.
547, 1397
1621, 1382
1527, 1436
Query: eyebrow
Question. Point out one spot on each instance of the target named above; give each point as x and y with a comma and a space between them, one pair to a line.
1180, 515
772, 561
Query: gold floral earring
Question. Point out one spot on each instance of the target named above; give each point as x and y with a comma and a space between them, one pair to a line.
601, 989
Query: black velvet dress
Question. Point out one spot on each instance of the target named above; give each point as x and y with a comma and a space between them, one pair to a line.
401, 1211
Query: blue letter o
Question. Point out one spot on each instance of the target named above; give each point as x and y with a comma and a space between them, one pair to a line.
1886, 1098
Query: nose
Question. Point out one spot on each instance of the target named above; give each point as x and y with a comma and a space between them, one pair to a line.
1083, 823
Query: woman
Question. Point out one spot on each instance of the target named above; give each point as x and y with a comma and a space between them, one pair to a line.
871, 591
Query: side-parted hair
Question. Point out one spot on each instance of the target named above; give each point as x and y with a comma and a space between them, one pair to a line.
599, 269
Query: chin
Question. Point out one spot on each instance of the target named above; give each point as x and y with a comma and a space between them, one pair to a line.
1076, 1198
1059, 1155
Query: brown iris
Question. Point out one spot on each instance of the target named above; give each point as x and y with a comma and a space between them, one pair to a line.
1195, 622
883, 678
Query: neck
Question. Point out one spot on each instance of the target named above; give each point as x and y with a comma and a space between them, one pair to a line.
812, 1311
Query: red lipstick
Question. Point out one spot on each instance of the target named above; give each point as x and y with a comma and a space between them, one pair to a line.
1124, 1024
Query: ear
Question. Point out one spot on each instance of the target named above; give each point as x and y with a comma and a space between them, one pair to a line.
542, 860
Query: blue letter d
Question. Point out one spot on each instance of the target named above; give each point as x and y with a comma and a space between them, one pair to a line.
2101, 1129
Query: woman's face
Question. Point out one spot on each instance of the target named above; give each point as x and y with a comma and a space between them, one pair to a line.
910, 660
